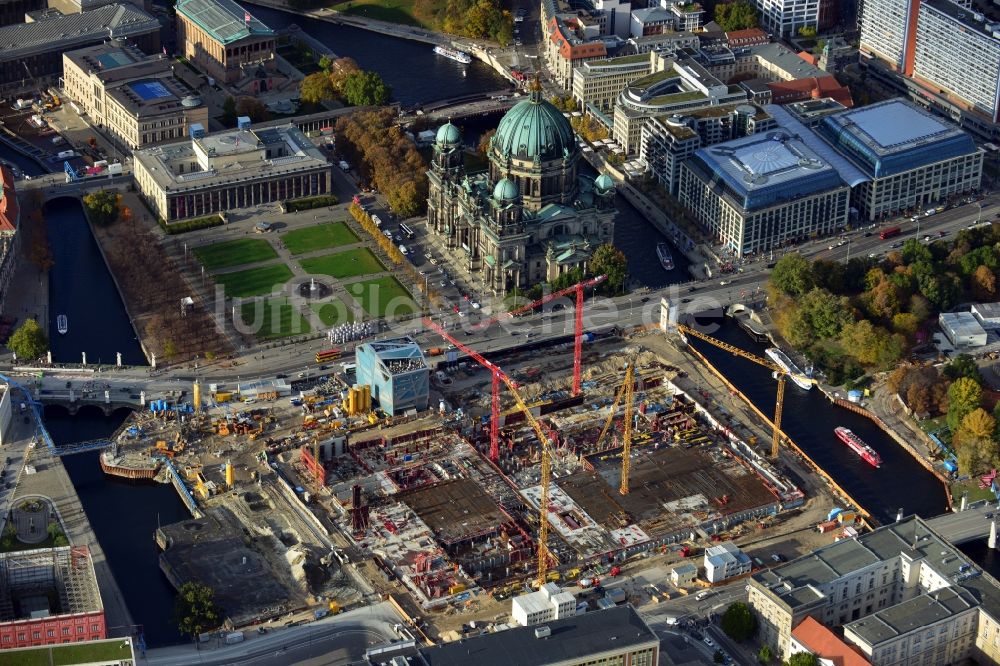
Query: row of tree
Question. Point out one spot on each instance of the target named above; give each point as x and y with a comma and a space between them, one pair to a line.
868, 313
386, 158
343, 79
479, 19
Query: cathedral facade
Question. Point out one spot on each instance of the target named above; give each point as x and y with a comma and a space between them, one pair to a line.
531, 217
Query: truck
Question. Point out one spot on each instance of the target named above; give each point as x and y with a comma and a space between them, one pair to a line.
234, 637
22, 104
435, 351
66, 154
115, 169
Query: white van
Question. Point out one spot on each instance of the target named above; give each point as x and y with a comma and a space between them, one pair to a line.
403, 250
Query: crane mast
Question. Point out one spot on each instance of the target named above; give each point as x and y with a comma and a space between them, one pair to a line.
627, 426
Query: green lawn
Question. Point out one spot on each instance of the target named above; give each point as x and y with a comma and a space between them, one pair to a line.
972, 488
254, 281
333, 312
69, 653
234, 253
351, 263
394, 11
319, 237
274, 318
382, 297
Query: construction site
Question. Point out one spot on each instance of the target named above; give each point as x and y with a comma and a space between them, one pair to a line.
314, 499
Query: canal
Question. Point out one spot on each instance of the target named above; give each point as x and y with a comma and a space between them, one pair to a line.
124, 517
809, 419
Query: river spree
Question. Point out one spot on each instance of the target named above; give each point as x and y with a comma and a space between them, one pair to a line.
809, 419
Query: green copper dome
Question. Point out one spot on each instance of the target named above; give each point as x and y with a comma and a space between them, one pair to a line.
505, 190
534, 129
449, 135
603, 183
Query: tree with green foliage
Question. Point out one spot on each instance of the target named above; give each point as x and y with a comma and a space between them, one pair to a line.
802, 659
253, 108
964, 396
765, 654
793, 274
963, 365
326, 63
807, 32
228, 117
102, 206
316, 88
195, 611
366, 89
818, 315
609, 260
739, 622
738, 15
29, 342
996, 420
872, 345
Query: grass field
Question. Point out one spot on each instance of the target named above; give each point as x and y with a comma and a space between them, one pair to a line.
319, 237
103, 651
344, 264
333, 312
383, 297
394, 11
254, 281
234, 253
273, 318
971, 487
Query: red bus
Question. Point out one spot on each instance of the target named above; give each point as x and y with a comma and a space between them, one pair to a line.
327, 355
889, 233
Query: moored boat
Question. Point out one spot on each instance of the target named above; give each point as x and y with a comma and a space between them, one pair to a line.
62, 324
665, 257
453, 54
801, 379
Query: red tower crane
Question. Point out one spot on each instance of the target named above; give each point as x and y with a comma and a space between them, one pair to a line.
578, 323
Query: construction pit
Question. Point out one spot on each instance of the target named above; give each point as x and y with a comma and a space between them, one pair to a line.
423, 500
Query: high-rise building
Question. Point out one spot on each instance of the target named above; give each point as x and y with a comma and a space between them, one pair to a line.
946, 56
783, 18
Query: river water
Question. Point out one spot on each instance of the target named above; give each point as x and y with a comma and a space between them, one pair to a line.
809, 419
124, 516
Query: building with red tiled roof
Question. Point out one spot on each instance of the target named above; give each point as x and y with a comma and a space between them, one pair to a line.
813, 87
10, 216
811, 636
565, 51
747, 37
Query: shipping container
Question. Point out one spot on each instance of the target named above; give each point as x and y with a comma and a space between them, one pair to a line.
234, 637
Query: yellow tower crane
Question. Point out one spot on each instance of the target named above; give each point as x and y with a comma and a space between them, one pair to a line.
779, 372
546, 465
625, 392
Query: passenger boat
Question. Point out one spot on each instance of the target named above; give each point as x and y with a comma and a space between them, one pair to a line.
665, 257
801, 379
858, 445
62, 324
454, 54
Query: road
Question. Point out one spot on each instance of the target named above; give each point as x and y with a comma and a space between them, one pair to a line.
963, 526
335, 640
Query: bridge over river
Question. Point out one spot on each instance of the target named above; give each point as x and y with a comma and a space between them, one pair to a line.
971, 524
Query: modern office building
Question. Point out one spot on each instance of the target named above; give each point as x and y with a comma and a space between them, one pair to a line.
531, 217
599, 638
597, 83
225, 41
212, 173
762, 191
31, 53
725, 560
911, 158
901, 593
10, 239
13, 11
666, 141
397, 373
544, 605
783, 18
132, 96
944, 55
676, 86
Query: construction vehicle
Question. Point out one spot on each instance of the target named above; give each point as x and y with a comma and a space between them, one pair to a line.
779, 373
